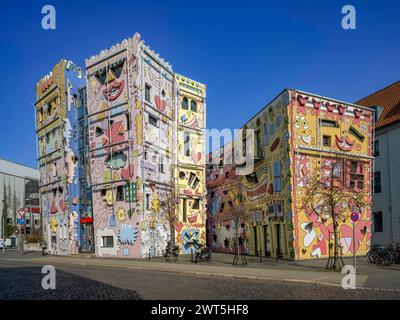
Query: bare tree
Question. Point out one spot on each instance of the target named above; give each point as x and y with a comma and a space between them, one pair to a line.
328, 194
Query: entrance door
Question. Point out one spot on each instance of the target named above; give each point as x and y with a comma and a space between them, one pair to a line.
87, 238
267, 249
278, 240
255, 240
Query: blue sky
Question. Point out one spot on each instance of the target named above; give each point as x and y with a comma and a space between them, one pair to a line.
245, 51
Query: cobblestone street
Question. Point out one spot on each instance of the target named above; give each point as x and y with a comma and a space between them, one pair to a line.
22, 280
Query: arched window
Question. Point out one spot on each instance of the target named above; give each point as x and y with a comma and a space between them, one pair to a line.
193, 106
185, 104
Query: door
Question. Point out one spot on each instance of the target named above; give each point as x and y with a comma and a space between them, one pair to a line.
87, 238
267, 249
279, 240
255, 240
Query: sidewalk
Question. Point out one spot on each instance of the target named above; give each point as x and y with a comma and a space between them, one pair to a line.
311, 271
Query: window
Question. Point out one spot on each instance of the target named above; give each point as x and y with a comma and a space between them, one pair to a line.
9, 220
377, 182
278, 119
152, 120
326, 141
193, 180
329, 123
259, 144
376, 148
277, 176
185, 104
221, 209
357, 134
378, 221
108, 242
147, 201
266, 142
193, 106
356, 181
120, 193
49, 108
128, 121
271, 130
99, 131
186, 139
227, 175
161, 165
40, 115
196, 204
184, 212
147, 92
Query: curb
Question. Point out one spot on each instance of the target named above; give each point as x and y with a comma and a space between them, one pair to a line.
208, 274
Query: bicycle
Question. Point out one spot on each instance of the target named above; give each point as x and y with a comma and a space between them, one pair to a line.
171, 251
203, 253
381, 255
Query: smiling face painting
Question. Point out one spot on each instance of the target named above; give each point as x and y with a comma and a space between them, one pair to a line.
303, 130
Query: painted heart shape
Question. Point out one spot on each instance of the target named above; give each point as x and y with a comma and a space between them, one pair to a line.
126, 174
178, 226
160, 104
196, 156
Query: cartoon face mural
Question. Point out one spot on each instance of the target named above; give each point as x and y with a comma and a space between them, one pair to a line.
303, 130
338, 129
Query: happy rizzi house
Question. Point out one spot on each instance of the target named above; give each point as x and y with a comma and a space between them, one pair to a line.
297, 136
142, 165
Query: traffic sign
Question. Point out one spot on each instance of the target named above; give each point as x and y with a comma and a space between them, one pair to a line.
21, 213
21, 221
354, 216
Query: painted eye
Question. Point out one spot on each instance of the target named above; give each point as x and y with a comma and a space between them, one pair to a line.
305, 124
117, 67
101, 76
296, 123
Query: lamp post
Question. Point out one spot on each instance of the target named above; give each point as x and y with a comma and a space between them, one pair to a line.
3, 232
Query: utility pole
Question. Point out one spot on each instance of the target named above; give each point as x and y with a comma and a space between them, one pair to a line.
3, 232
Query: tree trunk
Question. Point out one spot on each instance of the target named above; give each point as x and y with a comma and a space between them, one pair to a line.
335, 248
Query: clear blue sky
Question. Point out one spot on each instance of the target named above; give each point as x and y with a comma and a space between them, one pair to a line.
245, 51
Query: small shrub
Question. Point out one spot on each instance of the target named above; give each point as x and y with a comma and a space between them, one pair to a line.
33, 238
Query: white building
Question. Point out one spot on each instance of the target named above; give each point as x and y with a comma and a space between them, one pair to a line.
20, 185
386, 200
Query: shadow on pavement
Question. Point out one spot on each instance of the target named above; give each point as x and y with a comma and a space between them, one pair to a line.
24, 283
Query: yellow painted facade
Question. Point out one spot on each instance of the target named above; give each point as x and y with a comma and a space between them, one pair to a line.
190, 180
296, 137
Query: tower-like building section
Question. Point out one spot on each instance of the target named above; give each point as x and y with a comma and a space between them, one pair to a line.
190, 164
136, 147
60, 97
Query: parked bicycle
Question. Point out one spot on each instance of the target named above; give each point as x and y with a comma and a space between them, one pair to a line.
203, 253
384, 256
171, 251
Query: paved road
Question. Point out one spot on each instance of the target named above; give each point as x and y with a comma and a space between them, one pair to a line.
22, 280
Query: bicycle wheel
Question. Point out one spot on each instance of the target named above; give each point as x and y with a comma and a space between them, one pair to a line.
373, 256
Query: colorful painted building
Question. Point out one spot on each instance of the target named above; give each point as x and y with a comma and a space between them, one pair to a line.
298, 136
59, 97
226, 220
190, 188
137, 148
